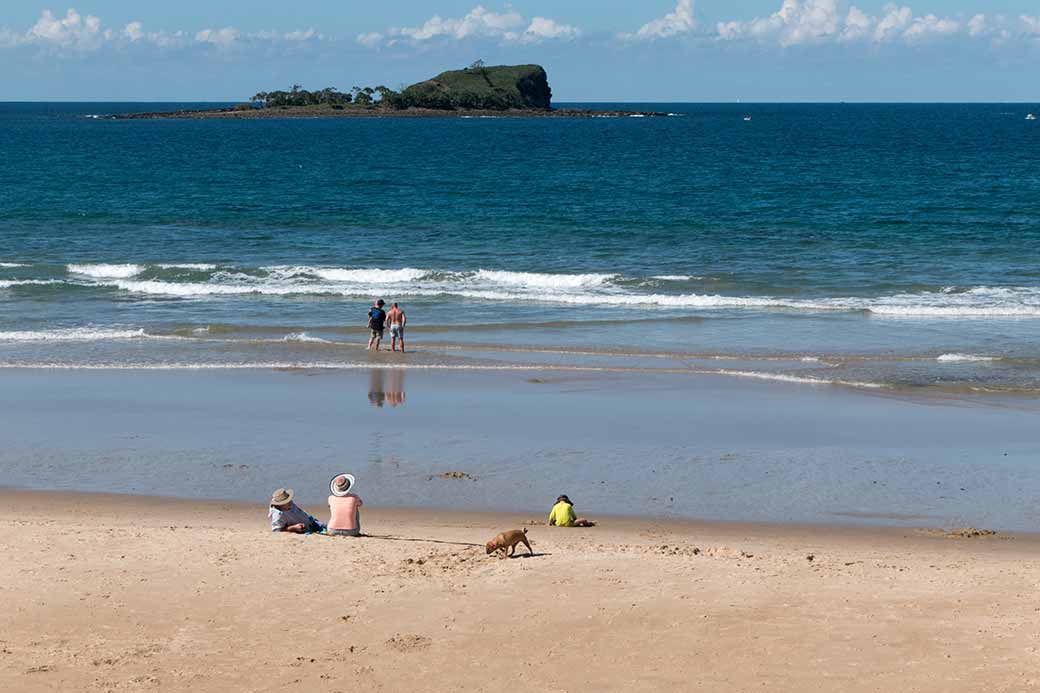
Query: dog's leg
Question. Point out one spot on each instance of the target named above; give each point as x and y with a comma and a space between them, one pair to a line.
530, 551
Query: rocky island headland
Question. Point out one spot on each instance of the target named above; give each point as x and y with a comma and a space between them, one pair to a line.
476, 91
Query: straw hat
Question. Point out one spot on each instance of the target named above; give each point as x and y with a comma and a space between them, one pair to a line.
342, 484
282, 496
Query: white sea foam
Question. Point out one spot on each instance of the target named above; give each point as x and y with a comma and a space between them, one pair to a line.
73, 334
8, 283
7, 265
590, 289
103, 271
195, 289
785, 378
541, 280
304, 337
955, 358
676, 277
371, 276
199, 266
977, 302
340, 274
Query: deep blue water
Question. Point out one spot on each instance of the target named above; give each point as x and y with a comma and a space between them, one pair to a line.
874, 238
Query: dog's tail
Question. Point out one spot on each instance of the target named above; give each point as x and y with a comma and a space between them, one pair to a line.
525, 530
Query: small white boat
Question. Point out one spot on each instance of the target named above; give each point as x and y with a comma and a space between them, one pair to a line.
747, 119
1031, 116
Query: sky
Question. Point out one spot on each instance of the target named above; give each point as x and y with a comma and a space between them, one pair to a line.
593, 50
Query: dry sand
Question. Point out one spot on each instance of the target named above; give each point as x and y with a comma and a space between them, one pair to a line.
127, 593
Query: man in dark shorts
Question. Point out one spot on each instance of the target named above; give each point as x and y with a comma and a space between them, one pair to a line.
376, 318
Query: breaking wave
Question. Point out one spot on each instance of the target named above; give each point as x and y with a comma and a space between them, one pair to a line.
582, 289
304, 337
73, 334
103, 271
8, 283
965, 358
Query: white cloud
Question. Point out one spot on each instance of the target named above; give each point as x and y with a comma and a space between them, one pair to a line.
479, 22
71, 31
977, 25
858, 25
893, 23
302, 35
134, 31
678, 21
224, 38
371, 39
820, 21
542, 28
930, 25
76, 32
797, 21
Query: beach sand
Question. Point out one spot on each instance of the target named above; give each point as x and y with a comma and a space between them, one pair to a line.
102, 592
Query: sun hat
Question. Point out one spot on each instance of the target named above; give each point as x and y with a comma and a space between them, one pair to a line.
342, 484
282, 496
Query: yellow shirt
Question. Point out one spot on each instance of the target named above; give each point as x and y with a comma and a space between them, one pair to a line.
562, 515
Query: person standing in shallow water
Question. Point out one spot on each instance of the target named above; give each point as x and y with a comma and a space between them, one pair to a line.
376, 318
397, 320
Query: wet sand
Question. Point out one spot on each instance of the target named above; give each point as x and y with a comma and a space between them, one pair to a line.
132, 593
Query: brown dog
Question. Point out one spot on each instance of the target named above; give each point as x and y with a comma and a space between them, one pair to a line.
509, 540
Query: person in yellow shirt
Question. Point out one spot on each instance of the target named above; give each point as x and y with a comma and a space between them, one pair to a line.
562, 515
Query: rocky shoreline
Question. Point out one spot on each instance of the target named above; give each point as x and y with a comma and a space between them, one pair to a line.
376, 112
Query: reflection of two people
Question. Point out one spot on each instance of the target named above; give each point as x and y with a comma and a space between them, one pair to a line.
380, 393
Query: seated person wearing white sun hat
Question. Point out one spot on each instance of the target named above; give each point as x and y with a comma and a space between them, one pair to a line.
345, 516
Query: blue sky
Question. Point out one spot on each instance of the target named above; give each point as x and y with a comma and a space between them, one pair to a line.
652, 50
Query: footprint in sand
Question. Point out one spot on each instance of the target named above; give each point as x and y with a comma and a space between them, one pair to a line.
408, 642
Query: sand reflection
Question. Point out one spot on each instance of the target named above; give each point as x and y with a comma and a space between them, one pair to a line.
386, 387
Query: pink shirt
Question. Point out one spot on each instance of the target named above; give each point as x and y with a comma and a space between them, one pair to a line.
344, 511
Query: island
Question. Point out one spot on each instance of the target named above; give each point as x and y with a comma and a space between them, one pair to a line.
475, 91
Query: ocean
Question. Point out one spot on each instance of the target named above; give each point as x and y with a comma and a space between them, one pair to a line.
880, 247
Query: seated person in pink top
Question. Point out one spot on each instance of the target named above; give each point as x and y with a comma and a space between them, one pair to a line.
345, 517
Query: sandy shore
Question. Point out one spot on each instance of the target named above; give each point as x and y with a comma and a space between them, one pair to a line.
130, 593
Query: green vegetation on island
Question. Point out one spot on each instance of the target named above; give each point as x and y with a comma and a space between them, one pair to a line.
297, 97
486, 88
477, 87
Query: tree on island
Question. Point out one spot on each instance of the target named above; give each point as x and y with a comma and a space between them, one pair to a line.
298, 96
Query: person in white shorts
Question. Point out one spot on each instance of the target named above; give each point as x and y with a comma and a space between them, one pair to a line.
397, 320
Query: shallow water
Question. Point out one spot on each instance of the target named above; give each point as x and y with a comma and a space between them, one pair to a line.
641, 444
